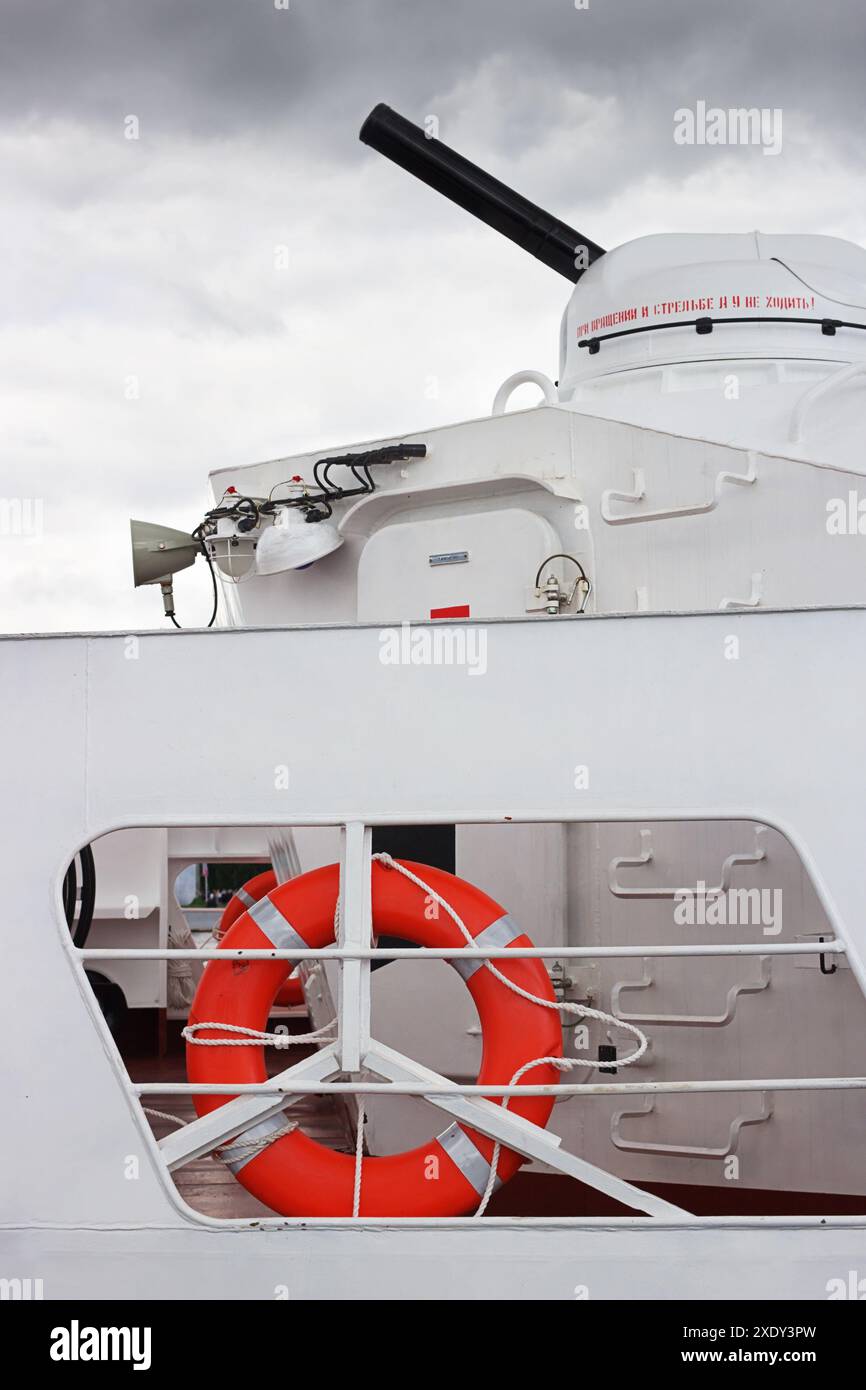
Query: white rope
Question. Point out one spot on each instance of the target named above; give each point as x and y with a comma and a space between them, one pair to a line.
564, 1064
182, 975
254, 1145
163, 1115
565, 1005
251, 1037
257, 1145
359, 1158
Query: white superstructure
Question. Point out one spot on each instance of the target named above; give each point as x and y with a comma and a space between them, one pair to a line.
616, 642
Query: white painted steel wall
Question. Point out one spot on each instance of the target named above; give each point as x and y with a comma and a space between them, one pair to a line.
70, 1208
563, 467
765, 541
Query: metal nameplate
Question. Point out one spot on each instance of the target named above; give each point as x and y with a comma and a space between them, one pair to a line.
450, 557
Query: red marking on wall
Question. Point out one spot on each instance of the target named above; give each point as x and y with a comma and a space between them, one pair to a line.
460, 610
700, 304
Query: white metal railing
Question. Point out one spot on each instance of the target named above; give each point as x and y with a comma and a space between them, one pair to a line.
726, 948
353, 1049
276, 1087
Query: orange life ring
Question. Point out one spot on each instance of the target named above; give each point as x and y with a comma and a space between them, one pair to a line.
292, 992
296, 1176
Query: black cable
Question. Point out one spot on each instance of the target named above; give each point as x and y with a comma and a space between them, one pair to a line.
213, 578
81, 928
249, 505
70, 895
88, 897
322, 481
560, 555
316, 506
706, 323
205, 552
358, 463
361, 471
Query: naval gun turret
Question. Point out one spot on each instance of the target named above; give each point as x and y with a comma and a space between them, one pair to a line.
684, 357
667, 330
472, 188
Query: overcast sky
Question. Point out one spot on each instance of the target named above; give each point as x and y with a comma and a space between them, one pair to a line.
147, 331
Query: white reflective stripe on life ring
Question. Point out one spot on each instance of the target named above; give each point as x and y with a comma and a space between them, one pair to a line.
500, 933
271, 921
462, 1152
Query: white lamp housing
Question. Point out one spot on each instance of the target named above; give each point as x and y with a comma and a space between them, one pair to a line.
232, 551
292, 542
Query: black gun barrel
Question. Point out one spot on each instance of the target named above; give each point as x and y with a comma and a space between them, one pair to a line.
536, 231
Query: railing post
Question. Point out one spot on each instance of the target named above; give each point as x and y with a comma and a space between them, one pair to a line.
355, 930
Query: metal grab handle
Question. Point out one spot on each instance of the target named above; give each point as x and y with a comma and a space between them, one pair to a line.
686, 1150
511, 384
646, 857
688, 1020
669, 513
755, 594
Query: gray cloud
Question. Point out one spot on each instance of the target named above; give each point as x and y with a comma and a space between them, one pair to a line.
211, 66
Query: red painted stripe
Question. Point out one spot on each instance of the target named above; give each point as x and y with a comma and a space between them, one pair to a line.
460, 610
